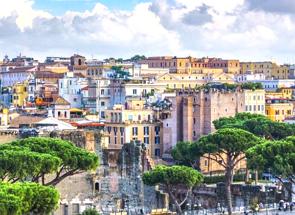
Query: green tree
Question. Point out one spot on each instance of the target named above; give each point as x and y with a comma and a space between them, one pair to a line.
173, 179
185, 154
27, 198
251, 86
137, 58
278, 157
90, 212
227, 147
33, 158
258, 125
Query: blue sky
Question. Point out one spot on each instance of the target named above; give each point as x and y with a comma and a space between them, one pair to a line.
58, 7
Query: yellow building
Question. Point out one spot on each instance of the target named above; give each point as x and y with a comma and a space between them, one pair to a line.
282, 93
279, 71
131, 122
57, 68
4, 117
271, 70
20, 94
278, 109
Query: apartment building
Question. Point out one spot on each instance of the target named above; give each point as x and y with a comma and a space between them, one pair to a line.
191, 65
70, 89
278, 109
133, 121
271, 70
254, 101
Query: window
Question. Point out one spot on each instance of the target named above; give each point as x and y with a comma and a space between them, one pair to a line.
206, 163
102, 103
102, 92
146, 130
122, 140
96, 186
157, 140
130, 117
134, 91
194, 120
157, 130
134, 131
122, 129
58, 113
65, 114
157, 152
102, 114
146, 140
289, 112
277, 112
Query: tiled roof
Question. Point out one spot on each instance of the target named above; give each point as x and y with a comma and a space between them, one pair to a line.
20, 120
61, 101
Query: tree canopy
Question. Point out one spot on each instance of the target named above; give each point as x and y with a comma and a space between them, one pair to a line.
276, 156
184, 154
257, 124
27, 198
172, 178
33, 158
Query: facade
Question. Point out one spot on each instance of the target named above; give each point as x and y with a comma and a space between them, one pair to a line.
271, 70
20, 94
78, 65
16, 75
134, 122
61, 109
278, 109
190, 65
121, 90
254, 101
70, 89
141, 70
249, 76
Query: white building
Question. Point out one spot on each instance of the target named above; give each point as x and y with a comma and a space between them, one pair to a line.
70, 89
138, 70
242, 78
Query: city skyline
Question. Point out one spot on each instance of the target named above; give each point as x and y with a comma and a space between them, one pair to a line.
245, 29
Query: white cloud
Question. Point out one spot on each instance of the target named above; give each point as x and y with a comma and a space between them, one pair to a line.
223, 28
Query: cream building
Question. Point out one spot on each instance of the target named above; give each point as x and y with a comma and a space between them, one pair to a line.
134, 122
254, 101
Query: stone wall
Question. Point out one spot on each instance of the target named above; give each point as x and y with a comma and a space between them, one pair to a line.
115, 186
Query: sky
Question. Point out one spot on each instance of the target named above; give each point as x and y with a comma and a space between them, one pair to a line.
249, 30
